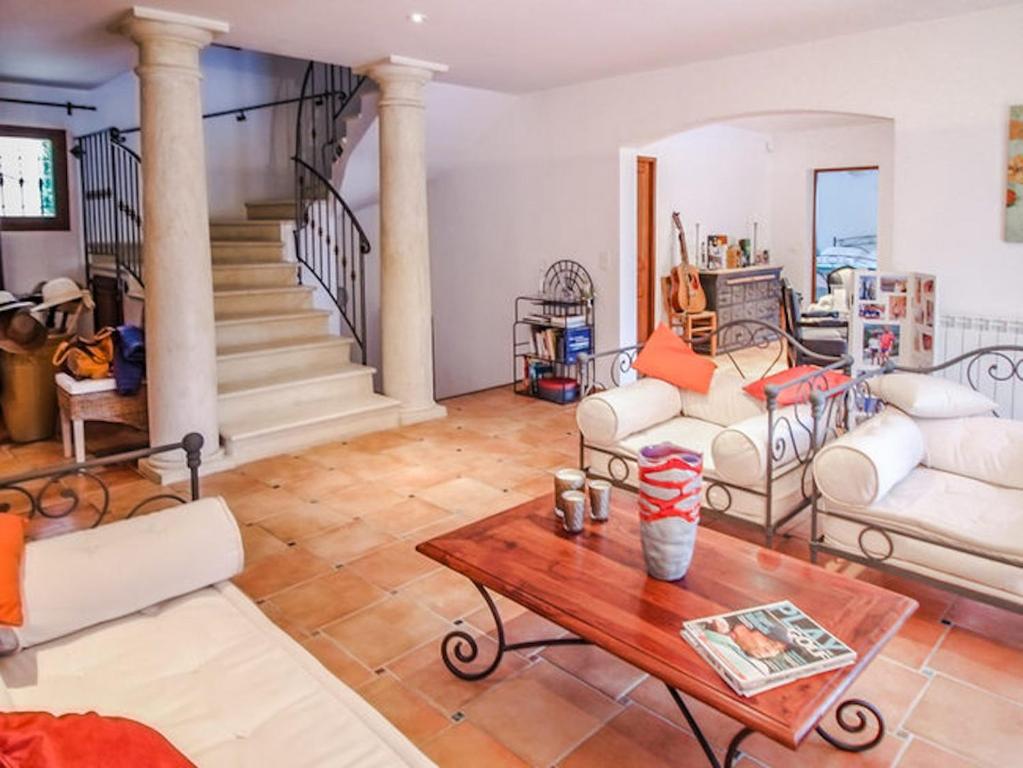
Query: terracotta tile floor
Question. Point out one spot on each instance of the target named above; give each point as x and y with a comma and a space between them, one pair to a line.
330, 535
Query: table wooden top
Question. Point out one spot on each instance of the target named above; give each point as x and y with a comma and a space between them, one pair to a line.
596, 586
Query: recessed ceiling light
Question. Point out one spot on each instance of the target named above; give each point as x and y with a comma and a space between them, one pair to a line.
417, 18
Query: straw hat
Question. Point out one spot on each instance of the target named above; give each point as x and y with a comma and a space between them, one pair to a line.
61, 290
10, 302
20, 332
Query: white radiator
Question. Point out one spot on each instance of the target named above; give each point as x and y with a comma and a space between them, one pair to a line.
959, 334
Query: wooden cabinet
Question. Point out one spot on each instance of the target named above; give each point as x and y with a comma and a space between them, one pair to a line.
745, 293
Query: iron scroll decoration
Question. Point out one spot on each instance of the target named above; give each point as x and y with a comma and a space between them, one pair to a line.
567, 280
54, 499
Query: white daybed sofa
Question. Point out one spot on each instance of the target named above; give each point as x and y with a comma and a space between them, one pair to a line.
744, 479
937, 495
137, 618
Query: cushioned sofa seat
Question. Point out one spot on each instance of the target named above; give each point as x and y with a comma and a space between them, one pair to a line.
946, 507
218, 679
697, 435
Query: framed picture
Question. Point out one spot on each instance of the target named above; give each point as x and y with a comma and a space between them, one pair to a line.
867, 289
897, 307
893, 284
881, 342
872, 311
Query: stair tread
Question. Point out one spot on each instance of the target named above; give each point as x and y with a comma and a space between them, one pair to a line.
247, 243
302, 414
253, 317
268, 290
337, 370
273, 346
256, 265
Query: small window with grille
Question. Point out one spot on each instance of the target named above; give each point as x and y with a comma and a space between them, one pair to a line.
33, 179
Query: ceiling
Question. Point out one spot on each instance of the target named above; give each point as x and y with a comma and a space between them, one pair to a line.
514, 45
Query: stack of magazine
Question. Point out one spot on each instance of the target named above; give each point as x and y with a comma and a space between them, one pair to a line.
760, 648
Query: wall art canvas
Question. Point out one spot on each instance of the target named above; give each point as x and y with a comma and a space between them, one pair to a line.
1014, 192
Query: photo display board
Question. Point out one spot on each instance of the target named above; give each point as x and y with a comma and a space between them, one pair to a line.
893, 317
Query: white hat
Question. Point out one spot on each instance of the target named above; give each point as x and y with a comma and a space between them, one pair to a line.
61, 290
8, 302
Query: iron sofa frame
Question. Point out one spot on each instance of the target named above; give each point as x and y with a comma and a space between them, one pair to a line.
1001, 365
718, 494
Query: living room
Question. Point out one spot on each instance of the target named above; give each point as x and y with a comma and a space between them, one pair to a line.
387, 555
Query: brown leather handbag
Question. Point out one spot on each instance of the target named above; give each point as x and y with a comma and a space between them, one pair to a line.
86, 358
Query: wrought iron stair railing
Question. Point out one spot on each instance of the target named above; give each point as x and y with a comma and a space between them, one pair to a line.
330, 243
111, 192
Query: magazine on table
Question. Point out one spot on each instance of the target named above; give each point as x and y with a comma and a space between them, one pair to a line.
760, 648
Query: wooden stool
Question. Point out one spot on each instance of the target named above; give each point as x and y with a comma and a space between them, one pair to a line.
94, 400
700, 324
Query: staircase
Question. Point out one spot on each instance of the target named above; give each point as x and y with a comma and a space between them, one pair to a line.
284, 279
285, 380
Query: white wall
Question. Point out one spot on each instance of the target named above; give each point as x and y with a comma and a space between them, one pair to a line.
794, 157
244, 161
716, 176
550, 183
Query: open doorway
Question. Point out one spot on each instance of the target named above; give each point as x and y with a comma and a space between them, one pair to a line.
844, 222
646, 251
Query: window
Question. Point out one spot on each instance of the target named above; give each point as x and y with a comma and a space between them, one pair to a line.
33, 178
844, 222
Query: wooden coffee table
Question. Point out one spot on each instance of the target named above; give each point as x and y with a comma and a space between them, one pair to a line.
595, 586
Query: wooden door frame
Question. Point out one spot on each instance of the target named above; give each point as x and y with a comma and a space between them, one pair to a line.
651, 248
813, 218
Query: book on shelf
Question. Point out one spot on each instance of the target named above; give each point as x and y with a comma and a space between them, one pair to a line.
558, 321
760, 648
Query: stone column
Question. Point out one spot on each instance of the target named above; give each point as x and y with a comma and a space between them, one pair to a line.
405, 304
181, 355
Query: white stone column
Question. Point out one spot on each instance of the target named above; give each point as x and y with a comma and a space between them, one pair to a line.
181, 357
405, 303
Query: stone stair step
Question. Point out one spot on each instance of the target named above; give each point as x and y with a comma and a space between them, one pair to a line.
247, 231
240, 276
237, 330
273, 210
246, 365
339, 380
247, 252
301, 425
254, 300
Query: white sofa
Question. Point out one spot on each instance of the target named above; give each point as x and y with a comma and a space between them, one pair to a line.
937, 495
137, 618
742, 477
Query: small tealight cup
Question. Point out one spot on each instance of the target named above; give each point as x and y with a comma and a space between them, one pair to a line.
566, 480
573, 505
600, 500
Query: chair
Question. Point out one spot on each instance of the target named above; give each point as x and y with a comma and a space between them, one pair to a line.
702, 325
821, 333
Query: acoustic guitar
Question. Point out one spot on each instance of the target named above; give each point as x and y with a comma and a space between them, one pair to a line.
689, 295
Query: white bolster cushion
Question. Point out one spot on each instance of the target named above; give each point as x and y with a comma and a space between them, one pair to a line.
861, 466
84, 578
982, 447
930, 397
740, 451
607, 417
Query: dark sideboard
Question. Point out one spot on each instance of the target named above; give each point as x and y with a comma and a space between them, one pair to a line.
742, 293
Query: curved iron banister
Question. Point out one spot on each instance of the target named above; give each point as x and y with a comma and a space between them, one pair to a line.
111, 190
329, 240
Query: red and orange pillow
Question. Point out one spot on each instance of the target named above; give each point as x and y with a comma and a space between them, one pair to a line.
42, 740
665, 356
12, 551
799, 393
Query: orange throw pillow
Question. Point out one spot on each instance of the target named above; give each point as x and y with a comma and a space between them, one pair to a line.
665, 356
12, 550
42, 740
799, 393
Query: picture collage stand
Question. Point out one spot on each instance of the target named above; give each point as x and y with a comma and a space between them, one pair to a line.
893, 317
